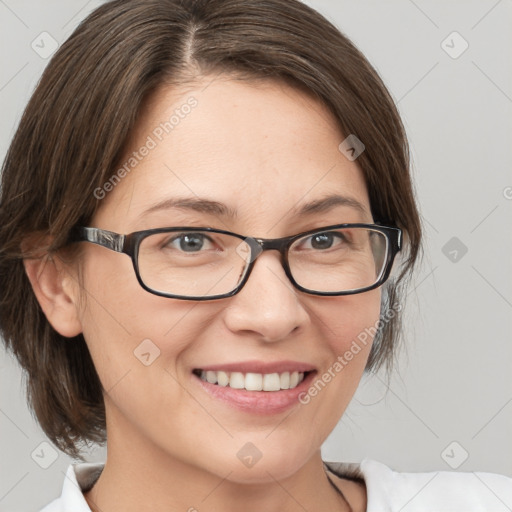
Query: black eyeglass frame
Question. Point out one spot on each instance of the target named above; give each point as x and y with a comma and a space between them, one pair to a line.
129, 244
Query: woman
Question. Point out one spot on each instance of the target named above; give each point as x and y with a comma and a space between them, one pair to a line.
206, 219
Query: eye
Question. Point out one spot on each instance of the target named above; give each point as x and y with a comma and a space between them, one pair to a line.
324, 240
189, 242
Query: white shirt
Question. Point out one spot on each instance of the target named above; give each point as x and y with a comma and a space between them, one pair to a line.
387, 490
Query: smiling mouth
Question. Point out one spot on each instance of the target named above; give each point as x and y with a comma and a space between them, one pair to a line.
252, 381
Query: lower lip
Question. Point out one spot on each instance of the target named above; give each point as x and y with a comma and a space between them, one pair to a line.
257, 402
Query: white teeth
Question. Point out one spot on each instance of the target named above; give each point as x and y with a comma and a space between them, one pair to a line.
236, 380
223, 378
271, 382
254, 381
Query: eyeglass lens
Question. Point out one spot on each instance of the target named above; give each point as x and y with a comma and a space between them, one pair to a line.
201, 264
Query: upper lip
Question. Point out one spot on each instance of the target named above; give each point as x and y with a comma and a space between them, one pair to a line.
260, 367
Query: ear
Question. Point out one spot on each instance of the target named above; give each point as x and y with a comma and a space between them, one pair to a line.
56, 291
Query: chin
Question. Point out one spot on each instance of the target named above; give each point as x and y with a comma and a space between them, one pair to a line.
263, 463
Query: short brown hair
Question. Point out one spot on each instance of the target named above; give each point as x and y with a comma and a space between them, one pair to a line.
76, 125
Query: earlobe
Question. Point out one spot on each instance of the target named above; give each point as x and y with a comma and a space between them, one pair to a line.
54, 290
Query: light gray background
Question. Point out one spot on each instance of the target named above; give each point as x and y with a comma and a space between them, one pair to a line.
455, 381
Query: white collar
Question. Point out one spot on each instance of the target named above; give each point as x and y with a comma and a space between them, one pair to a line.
79, 479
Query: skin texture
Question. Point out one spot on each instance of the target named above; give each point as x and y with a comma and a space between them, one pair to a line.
262, 149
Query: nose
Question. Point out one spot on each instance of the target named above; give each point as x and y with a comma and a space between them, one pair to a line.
268, 304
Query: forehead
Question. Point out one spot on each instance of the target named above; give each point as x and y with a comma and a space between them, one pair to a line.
262, 148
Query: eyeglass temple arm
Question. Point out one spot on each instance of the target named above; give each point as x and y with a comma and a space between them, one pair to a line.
399, 239
108, 239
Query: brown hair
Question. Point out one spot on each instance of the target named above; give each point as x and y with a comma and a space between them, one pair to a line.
78, 121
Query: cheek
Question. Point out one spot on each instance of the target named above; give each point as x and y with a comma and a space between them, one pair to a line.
126, 328
348, 326
350, 320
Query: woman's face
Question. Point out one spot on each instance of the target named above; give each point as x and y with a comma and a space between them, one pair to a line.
263, 151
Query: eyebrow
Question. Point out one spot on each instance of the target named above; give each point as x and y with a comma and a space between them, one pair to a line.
328, 203
210, 207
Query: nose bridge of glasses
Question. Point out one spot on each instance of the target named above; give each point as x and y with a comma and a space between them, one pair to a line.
259, 245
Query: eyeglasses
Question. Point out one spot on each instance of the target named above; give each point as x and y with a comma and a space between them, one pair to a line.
205, 264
